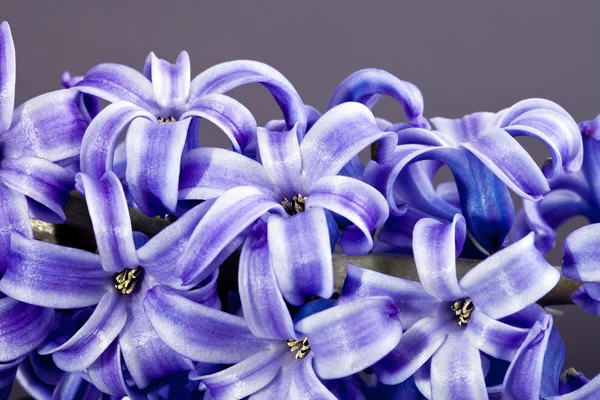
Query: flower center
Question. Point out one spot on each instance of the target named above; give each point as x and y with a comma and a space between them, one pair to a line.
170, 118
295, 206
463, 309
127, 279
301, 347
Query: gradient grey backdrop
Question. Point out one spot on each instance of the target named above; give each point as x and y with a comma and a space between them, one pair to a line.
480, 57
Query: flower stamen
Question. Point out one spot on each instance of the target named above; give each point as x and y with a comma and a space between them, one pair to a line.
463, 308
295, 206
301, 347
127, 279
170, 118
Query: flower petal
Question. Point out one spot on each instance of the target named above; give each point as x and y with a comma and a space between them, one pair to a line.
587, 296
340, 134
8, 76
493, 337
301, 255
436, 245
510, 280
50, 126
417, 346
153, 163
102, 136
398, 230
360, 203
456, 370
463, 129
412, 300
229, 216
74, 386
265, 311
40, 180
114, 82
280, 155
279, 387
95, 336
362, 85
226, 76
106, 372
207, 172
581, 254
23, 327
306, 385
246, 377
108, 210
350, 337
171, 82
235, 120
27, 378
14, 218
49, 275
199, 332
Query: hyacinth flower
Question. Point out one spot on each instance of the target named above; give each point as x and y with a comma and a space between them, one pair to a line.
291, 191
571, 195
89, 104
37, 138
162, 107
451, 324
326, 343
53, 276
481, 151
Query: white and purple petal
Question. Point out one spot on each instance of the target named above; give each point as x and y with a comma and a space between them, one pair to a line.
8, 76
581, 254
280, 156
587, 296
14, 218
171, 82
306, 385
106, 373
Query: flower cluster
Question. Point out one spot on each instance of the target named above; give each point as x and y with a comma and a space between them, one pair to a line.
246, 291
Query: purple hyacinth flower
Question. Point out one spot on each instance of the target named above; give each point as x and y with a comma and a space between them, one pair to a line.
328, 344
163, 108
485, 160
89, 104
291, 192
451, 323
38, 139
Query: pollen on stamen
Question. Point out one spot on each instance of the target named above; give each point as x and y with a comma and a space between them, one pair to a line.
127, 279
463, 309
301, 347
296, 206
170, 118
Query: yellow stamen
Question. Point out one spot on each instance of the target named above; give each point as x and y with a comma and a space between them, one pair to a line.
300, 346
295, 206
127, 279
463, 308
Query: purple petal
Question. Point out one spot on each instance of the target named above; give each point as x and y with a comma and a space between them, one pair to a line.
14, 218
23, 327
417, 346
280, 155
199, 332
208, 172
8, 76
493, 337
153, 163
350, 337
412, 300
226, 76
27, 378
360, 203
95, 336
246, 377
523, 377
436, 245
101, 137
114, 82
49, 275
106, 372
229, 216
108, 210
235, 120
279, 387
398, 229
50, 126
265, 311
423, 380
463, 129
171, 82
40, 180
510, 279
362, 85
509, 161
589, 391
301, 255
306, 385
456, 370
581, 254
587, 296
73, 387
340, 134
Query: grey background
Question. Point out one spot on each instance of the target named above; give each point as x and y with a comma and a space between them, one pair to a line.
463, 57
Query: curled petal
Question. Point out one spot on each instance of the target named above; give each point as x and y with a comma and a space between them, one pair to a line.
363, 85
587, 296
398, 229
581, 254
106, 372
510, 280
350, 337
8, 76
49, 275
360, 203
436, 246
493, 337
463, 129
199, 332
305, 384
301, 255
280, 155
14, 218
171, 82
